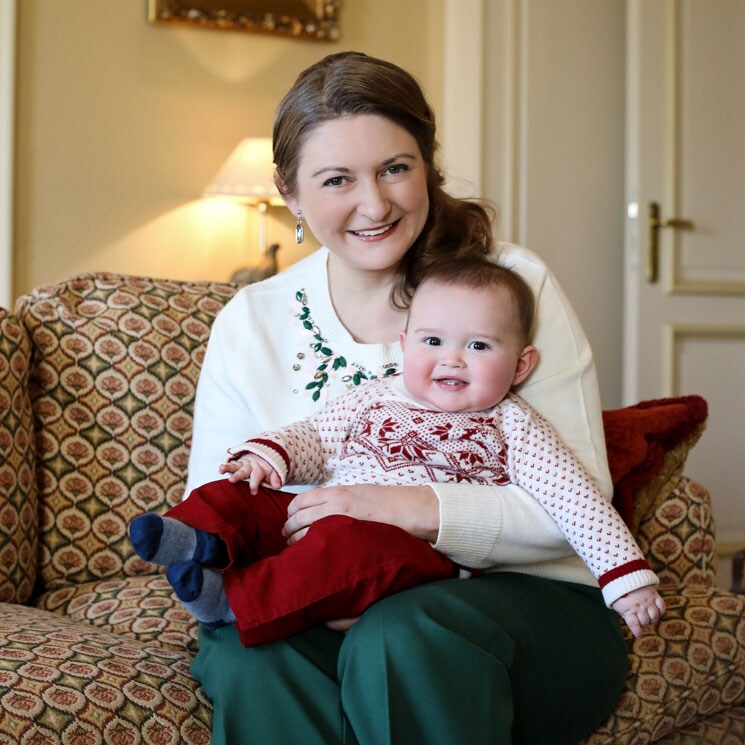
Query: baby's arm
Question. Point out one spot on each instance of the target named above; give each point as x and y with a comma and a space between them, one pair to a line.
254, 469
542, 464
639, 608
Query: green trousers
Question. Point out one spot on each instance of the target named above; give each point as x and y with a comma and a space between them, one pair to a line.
497, 659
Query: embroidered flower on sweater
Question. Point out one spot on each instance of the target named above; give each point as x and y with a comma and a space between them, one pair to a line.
330, 363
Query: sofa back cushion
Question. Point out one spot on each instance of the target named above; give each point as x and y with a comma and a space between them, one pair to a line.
113, 377
18, 503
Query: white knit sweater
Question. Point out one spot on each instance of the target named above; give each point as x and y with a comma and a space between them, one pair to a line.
277, 337
378, 434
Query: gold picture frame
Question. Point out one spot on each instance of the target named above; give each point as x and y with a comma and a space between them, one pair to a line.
297, 19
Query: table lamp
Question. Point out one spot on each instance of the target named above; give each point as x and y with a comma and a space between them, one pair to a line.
247, 177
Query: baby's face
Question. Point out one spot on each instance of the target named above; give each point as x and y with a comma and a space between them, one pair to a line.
461, 347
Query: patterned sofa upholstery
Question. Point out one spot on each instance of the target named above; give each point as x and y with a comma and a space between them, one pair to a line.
97, 382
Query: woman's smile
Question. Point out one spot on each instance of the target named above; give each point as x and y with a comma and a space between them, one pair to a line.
362, 180
376, 234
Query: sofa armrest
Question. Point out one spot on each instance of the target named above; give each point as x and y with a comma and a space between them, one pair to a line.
677, 535
18, 490
114, 369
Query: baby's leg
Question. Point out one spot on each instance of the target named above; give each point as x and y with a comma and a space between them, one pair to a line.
164, 540
250, 525
337, 570
201, 591
220, 523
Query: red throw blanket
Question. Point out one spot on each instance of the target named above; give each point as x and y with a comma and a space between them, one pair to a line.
638, 438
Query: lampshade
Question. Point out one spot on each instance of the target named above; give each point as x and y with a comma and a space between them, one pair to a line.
247, 175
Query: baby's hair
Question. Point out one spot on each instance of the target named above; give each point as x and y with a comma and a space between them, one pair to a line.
476, 273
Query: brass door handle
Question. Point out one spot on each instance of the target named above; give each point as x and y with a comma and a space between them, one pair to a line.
656, 222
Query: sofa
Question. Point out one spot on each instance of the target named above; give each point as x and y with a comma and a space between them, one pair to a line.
97, 382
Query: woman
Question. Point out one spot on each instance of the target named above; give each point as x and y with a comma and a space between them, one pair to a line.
527, 655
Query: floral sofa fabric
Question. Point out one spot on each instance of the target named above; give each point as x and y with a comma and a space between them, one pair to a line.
97, 383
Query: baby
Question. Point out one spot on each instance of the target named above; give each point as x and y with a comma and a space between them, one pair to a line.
451, 416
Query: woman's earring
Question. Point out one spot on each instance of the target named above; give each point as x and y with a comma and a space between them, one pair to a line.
299, 232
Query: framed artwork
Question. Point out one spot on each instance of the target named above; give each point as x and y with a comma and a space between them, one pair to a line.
298, 19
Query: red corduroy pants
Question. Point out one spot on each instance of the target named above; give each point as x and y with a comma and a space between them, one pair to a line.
337, 570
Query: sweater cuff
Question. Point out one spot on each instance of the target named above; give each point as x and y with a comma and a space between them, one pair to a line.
470, 526
617, 588
266, 449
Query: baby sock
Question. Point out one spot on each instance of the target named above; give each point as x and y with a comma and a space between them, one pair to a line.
164, 540
201, 591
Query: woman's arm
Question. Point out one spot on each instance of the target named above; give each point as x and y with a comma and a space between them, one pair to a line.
412, 508
221, 416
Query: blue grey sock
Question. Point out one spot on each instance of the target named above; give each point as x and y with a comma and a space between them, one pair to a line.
164, 541
201, 591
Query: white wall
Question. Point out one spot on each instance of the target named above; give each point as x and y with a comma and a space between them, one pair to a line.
121, 124
540, 132
7, 94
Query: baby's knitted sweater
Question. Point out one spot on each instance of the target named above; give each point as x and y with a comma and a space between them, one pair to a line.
378, 434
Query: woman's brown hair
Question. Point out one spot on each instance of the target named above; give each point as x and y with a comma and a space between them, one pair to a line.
352, 83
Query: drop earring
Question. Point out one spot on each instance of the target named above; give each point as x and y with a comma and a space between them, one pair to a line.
299, 232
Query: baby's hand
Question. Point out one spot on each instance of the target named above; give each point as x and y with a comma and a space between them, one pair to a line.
639, 608
254, 469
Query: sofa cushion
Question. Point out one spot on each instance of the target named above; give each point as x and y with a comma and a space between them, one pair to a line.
724, 728
62, 681
678, 538
691, 666
18, 497
113, 377
142, 608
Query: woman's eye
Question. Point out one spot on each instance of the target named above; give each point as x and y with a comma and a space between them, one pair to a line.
396, 168
334, 181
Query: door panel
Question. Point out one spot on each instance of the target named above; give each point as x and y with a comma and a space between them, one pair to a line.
685, 332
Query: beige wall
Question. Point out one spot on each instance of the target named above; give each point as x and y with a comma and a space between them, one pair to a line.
120, 124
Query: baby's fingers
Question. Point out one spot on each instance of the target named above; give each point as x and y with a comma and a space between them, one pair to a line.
240, 474
634, 623
257, 478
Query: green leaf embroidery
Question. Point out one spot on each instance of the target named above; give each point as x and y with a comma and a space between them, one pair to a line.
326, 354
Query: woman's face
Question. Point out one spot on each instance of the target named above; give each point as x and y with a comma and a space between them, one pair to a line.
362, 187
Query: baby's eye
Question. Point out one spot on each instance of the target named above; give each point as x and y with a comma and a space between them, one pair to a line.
334, 181
432, 341
479, 346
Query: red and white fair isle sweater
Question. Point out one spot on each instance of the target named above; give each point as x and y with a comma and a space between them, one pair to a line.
378, 434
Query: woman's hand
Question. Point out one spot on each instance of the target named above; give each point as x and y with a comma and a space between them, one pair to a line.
415, 509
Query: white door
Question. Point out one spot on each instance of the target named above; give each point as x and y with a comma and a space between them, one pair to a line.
685, 331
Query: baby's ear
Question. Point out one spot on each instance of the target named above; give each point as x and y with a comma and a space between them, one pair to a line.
402, 340
526, 362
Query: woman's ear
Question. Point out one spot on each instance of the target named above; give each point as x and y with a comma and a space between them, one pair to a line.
526, 362
290, 201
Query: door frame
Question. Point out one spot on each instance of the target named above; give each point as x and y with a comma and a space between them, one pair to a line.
7, 122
